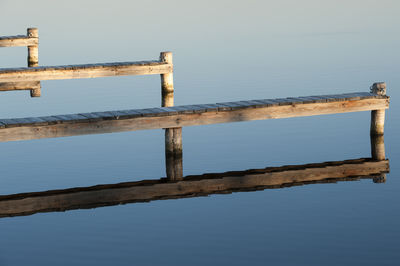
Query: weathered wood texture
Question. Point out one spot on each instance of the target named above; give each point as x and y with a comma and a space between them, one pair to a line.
33, 53
167, 99
378, 147
15, 86
190, 186
20, 40
167, 81
84, 71
33, 57
378, 115
187, 115
173, 141
173, 153
174, 166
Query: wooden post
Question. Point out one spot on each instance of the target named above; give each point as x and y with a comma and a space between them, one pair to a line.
378, 116
33, 56
167, 80
173, 136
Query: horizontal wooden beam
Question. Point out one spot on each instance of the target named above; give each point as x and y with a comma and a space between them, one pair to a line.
20, 40
15, 86
191, 186
25, 74
187, 115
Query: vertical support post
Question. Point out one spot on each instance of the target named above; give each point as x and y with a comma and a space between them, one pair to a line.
167, 82
378, 116
33, 56
173, 136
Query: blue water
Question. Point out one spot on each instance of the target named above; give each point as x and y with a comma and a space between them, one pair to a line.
223, 51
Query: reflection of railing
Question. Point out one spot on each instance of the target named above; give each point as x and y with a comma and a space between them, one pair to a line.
175, 186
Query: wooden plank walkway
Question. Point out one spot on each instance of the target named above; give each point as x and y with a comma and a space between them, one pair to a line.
190, 186
186, 115
25, 74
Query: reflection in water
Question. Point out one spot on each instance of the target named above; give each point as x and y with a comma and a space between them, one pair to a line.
175, 186
378, 153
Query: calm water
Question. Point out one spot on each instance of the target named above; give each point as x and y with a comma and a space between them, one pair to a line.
223, 51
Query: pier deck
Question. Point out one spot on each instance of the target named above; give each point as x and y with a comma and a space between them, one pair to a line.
186, 115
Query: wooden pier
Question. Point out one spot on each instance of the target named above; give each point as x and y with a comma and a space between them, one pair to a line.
187, 115
168, 117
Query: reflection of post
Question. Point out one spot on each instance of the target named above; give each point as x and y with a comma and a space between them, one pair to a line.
173, 153
173, 136
378, 116
33, 57
378, 147
378, 153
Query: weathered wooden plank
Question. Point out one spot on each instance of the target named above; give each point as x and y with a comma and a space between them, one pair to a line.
84, 71
92, 117
72, 118
259, 103
132, 113
13, 86
190, 186
19, 40
295, 100
211, 107
151, 119
268, 102
51, 119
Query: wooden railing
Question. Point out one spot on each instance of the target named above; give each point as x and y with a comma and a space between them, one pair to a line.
26, 78
31, 40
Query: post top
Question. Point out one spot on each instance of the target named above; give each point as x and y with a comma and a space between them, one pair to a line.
166, 57
378, 88
32, 32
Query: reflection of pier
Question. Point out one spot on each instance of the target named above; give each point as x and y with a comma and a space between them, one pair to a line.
195, 186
